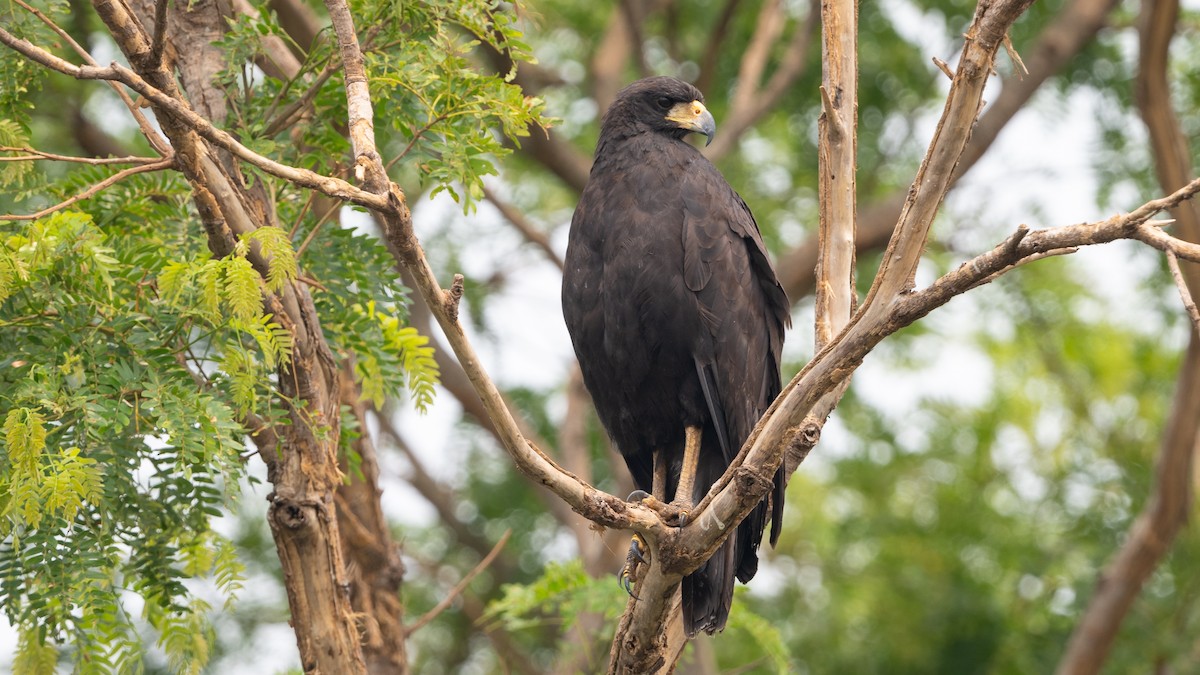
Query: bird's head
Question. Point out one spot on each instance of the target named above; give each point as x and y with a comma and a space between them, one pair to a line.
658, 104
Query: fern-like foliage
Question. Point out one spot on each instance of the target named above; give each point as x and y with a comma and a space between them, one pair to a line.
562, 595
281, 259
401, 346
129, 354
113, 458
34, 655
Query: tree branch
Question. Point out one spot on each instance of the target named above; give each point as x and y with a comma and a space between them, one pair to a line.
377, 575
531, 232
749, 110
459, 587
156, 165
767, 29
837, 149
299, 20
1165, 513
1150, 535
152, 136
441, 497
332, 187
304, 473
32, 154
1074, 27
1185, 295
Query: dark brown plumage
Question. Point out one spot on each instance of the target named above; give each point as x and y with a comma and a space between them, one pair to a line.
676, 315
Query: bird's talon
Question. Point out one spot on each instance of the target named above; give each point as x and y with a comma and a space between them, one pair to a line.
638, 551
637, 548
625, 580
683, 518
638, 496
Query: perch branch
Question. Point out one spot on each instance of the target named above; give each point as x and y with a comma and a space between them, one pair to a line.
789, 419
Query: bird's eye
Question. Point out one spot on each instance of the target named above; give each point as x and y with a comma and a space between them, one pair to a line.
663, 102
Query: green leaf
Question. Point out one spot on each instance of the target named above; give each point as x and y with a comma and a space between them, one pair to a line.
34, 655
242, 289
25, 437
281, 258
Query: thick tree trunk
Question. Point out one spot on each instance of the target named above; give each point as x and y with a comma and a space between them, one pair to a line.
303, 468
376, 571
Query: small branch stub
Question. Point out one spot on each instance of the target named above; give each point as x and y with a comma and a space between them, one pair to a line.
1018, 65
837, 130
452, 296
944, 67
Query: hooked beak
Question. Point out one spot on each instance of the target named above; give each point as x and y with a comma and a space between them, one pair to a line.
695, 117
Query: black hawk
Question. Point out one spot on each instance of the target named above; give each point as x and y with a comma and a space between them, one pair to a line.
677, 319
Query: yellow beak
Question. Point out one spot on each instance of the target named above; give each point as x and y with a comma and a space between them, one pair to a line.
694, 117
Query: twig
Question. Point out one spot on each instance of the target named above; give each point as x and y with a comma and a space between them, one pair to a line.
158, 165
527, 229
33, 154
294, 110
440, 496
152, 136
1018, 65
944, 67
459, 587
1184, 294
325, 217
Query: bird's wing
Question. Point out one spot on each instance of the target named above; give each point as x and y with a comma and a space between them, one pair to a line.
744, 309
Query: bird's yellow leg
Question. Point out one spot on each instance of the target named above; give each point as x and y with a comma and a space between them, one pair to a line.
660, 477
687, 472
638, 550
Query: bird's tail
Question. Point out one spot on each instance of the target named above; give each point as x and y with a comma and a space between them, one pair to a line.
708, 592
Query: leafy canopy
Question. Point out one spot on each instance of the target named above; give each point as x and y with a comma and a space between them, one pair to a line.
136, 364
